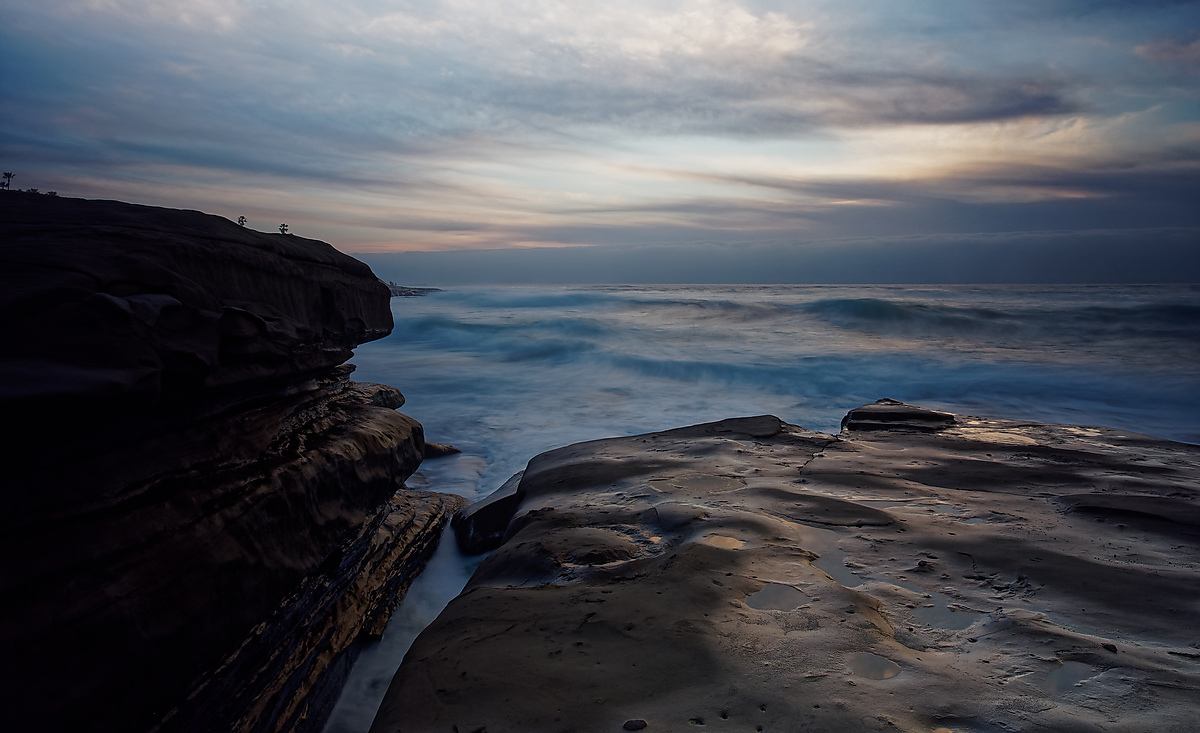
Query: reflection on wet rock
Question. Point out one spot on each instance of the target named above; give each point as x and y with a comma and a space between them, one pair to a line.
872, 666
776, 597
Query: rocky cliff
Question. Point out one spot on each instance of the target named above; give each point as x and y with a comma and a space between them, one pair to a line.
204, 518
921, 571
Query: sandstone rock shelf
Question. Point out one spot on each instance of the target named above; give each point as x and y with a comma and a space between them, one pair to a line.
928, 572
204, 517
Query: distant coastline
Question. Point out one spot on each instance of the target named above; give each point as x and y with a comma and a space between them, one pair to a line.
403, 291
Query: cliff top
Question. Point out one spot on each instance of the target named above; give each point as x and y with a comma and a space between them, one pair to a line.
103, 300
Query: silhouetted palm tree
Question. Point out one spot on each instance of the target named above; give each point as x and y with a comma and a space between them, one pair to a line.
283, 228
242, 220
7, 180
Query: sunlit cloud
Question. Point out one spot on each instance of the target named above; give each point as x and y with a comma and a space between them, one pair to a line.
1183, 55
208, 15
524, 33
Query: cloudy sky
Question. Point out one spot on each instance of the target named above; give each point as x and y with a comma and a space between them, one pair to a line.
393, 125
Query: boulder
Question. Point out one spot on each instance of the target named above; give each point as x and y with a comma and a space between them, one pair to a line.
889, 414
439, 450
481, 526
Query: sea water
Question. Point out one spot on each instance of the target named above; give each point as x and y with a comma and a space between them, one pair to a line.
505, 373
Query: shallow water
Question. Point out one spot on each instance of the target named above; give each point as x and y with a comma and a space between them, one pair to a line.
872, 666
1065, 677
505, 373
939, 614
776, 597
442, 580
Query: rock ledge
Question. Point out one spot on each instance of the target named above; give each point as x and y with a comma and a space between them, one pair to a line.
204, 517
983, 575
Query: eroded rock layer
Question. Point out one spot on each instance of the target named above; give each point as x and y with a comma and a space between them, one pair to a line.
287, 674
931, 572
141, 304
204, 518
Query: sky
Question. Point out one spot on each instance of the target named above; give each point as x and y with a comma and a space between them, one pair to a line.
764, 132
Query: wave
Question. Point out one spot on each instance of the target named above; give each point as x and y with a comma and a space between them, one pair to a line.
725, 310
436, 327
1067, 321
873, 313
551, 340
1159, 318
923, 380
502, 298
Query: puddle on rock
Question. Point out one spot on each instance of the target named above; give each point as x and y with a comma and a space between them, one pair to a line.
942, 616
1066, 677
872, 666
938, 615
723, 542
776, 597
832, 561
824, 542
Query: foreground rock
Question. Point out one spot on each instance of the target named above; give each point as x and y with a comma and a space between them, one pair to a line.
932, 572
204, 518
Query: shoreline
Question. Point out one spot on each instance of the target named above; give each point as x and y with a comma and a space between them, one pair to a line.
917, 575
190, 434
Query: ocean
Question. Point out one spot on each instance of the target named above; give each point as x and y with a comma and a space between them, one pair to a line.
505, 373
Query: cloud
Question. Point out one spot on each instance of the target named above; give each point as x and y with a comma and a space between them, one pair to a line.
696, 67
1178, 54
521, 34
220, 15
463, 67
443, 124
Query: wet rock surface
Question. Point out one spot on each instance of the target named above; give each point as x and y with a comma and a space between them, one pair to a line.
889, 414
204, 517
752, 575
481, 526
439, 450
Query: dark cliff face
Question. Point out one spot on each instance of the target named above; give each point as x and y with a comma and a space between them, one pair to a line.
104, 299
203, 515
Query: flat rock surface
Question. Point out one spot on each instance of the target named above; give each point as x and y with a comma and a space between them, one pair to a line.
976, 575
